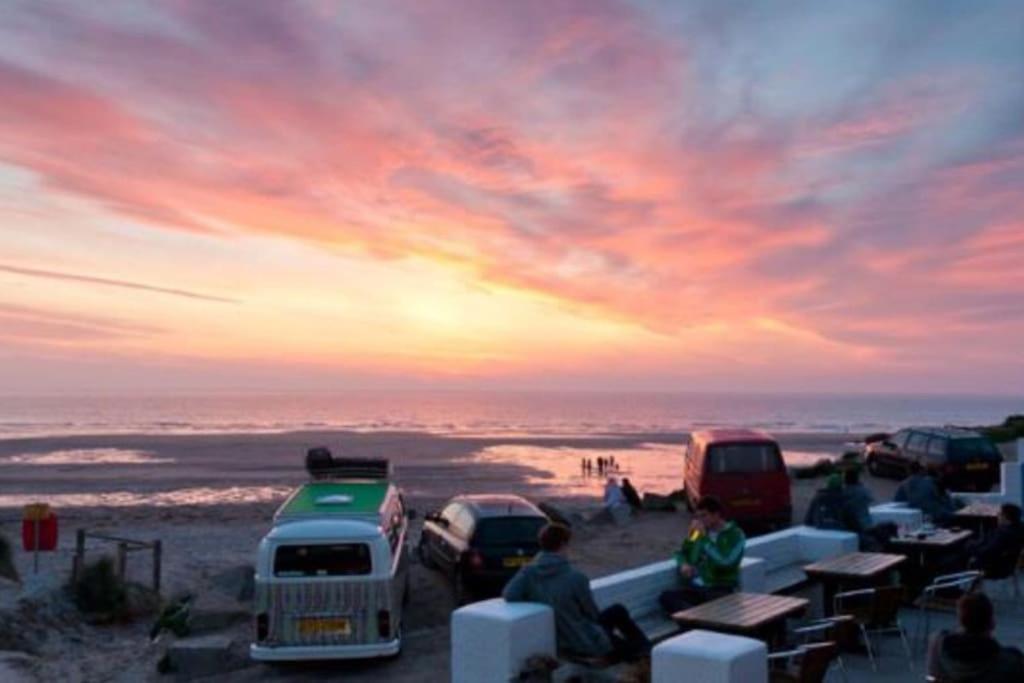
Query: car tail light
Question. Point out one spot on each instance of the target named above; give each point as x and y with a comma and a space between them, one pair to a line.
384, 623
475, 560
262, 626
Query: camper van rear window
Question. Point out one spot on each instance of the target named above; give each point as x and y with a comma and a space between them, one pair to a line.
336, 559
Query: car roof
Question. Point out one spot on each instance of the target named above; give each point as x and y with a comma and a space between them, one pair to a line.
499, 505
729, 435
947, 432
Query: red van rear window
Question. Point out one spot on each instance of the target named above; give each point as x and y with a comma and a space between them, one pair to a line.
744, 458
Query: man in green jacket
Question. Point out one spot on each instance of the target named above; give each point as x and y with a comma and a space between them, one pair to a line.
709, 561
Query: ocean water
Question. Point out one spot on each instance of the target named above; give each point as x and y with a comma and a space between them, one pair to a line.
498, 413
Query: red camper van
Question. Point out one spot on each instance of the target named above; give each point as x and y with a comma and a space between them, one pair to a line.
744, 470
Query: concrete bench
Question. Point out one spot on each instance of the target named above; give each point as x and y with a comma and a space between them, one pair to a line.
709, 657
897, 513
774, 562
491, 640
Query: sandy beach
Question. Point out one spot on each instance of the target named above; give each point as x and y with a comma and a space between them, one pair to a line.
209, 499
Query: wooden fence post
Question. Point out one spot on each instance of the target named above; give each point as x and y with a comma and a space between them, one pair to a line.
78, 561
122, 559
158, 548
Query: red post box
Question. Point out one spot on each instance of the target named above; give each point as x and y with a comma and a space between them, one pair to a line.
39, 528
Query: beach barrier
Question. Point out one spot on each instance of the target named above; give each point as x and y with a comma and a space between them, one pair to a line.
124, 546
492, 639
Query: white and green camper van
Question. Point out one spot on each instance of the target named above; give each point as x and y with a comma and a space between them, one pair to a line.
332, 574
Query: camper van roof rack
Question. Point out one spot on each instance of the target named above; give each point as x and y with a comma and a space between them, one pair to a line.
323, 466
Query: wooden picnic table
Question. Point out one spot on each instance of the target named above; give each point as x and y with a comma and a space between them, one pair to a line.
756, 614
922, 548
856, 569
980, 517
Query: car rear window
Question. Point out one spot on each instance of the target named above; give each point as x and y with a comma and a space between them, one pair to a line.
336, 559
499, 530
972, 449
743, 458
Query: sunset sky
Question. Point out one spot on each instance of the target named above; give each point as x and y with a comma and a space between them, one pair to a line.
798, 196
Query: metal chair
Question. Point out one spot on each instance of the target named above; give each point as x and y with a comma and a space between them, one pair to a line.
931, 597
806, 664
876, 612
842, 630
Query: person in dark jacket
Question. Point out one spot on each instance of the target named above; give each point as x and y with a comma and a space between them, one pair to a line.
973, 655
827, 509
857, 500
922, 491
997, 550
581, 628
631, 495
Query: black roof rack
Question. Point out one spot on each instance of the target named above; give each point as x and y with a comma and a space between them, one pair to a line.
321, 464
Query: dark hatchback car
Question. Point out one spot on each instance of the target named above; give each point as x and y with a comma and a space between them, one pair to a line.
963, 459
480, 541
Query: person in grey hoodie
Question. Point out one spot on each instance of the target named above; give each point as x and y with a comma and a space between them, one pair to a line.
582, 630
973, 655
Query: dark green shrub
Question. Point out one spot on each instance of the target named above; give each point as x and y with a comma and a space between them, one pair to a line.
7, 568
99, 590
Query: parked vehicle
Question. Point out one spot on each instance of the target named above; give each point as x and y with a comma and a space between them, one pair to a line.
332, 573
964, 459
745, 471
480, 541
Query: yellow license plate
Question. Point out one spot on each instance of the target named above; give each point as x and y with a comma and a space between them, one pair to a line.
324, 626
977, 466
516, 561
746, 502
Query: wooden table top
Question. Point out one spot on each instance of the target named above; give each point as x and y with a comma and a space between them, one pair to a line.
978, 510
855, 565
940, 538
741, 611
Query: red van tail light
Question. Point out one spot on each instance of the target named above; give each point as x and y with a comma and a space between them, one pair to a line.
384, 623
262, 627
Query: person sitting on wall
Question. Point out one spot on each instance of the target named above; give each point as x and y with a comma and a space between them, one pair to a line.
827, 509
709, 560
581, 629
973, 655
630, 494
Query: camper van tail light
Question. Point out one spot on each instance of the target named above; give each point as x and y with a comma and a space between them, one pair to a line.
262, 626
475, 559
384, 623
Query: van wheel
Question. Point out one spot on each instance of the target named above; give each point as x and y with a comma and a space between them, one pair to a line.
873, 468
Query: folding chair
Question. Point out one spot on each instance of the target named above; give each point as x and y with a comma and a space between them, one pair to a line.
876, 612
